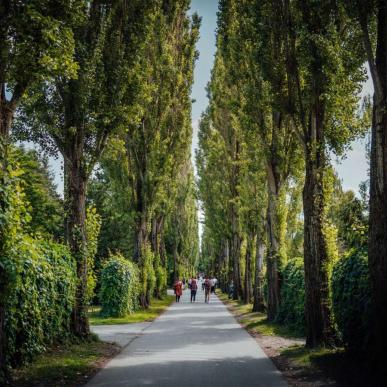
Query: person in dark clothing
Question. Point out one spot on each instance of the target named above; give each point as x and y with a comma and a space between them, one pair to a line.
207, 289
194, 288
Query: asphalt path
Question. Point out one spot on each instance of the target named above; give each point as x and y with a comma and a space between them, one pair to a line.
191, 344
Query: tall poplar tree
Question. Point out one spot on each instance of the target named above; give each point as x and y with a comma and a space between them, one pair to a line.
324, 70
371, 16
36, 44
77, 116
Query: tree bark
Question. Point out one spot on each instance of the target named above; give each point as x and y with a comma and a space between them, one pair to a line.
162, 252
248, 286
7, 112
319, 329
154, 236
235, 255
258, 305
272, 272
175, 263
378, 195
75, 210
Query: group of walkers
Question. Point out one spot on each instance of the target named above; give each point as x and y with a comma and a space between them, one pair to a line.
208, 286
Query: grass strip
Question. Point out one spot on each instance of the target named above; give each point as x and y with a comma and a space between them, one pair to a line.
256, 322
65, 365
142, 315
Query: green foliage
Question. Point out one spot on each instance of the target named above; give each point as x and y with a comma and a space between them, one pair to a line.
44, 204
161, 277
147, 271
40, 303
292, 309
93, 226
120, 287
37, 41
352, 299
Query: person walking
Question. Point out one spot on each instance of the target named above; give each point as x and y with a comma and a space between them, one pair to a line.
178, 288
230, 289
194, 288
215, 281
207, 289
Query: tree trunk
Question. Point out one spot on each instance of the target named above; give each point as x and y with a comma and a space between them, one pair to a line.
248, 287
75, 210
225, 277
378, 197
235, 255
259, 305
175, 263
7, 112
158, 250
319, 329
272, 272
162, 252
155, 237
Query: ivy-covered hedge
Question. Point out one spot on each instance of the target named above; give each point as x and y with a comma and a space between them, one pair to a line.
120, 287
41, 298
293, 296
351, 299
147, 275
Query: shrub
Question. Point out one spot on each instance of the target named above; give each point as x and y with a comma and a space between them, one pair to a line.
119, 287
293, 296
351, 299
40, 302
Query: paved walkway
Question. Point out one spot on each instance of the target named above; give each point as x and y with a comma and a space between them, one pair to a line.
121, 334
191, 345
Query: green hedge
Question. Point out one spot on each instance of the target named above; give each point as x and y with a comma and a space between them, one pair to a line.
351, 299
41, 298
293, 296
120, 287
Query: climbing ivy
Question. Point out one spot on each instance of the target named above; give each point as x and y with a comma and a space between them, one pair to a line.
351, 296
291, 312
41, 300
120, 287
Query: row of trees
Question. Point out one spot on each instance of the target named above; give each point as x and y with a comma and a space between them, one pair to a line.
107, 85
284, 99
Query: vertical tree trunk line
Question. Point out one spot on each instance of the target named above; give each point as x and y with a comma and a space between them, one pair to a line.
258, 305
273, 256
247, 280
75, 216
319, 328
176, 273
235, 255
378, 191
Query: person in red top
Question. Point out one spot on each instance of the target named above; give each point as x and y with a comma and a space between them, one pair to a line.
178, 288
194, 288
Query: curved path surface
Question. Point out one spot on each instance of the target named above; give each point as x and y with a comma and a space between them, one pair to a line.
191, 345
